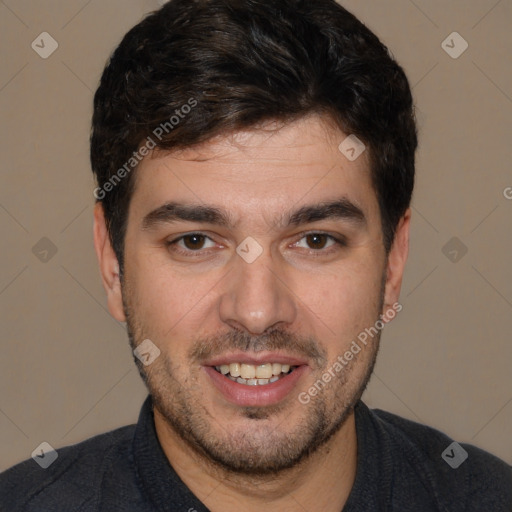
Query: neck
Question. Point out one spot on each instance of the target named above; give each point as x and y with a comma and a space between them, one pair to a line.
321, 483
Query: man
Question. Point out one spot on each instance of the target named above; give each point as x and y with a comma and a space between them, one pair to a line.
255, 165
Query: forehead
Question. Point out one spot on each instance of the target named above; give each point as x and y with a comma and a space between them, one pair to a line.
258, 172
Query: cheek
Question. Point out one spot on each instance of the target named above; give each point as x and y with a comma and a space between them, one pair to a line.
168, 302
345, 298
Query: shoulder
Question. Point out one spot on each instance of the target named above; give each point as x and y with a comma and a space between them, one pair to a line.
72, 481
455, 472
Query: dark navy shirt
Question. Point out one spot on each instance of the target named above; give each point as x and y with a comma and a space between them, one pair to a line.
401, 466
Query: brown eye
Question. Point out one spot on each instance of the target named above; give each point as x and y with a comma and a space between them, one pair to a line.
192, 245
317, 240
194, 242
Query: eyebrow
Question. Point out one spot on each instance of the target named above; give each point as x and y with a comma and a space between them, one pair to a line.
340, 209
175, 212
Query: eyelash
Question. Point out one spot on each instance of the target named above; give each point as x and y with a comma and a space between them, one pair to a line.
338, 243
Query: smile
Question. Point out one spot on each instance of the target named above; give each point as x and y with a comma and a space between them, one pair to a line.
255, 375
250, 389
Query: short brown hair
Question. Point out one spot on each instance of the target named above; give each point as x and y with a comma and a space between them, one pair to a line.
227, 65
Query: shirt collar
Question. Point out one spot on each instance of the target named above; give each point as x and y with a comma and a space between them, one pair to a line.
166, 491
159, 482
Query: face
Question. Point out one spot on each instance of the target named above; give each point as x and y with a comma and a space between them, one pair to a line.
253, 262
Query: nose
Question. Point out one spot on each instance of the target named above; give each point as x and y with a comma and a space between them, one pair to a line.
256, 297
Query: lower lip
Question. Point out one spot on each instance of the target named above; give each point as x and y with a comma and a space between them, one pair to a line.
259, 395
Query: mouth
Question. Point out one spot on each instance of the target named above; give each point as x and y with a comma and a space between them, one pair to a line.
255, 375
256, 381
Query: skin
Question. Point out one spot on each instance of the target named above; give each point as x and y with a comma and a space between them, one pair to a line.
297, 298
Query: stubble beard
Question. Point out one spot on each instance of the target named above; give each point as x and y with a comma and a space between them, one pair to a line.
265, 448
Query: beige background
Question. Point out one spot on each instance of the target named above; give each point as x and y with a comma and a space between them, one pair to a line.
66, 372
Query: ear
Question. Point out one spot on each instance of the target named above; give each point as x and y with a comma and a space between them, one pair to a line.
109, 266
396, 262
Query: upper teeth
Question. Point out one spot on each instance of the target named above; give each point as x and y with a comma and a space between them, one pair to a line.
250, 371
